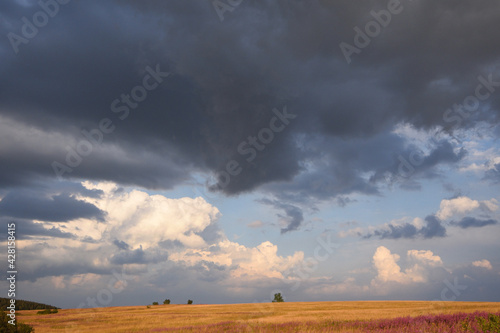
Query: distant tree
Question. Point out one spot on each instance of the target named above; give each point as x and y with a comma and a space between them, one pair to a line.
167, 301
190, 301
278, 298
155, 303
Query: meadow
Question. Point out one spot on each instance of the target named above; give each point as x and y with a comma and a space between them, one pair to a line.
364, 316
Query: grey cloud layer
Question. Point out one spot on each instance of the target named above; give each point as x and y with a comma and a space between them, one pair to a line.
27, 229
226, 79
433, 228
472, 222
293, 214
57, 208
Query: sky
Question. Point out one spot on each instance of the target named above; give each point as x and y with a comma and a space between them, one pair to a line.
226, 150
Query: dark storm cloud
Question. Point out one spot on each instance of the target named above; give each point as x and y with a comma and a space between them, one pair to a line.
395, 231
432, 228
412, 162
121, 244
80, 189
472, 222
129, 257
26, 229
169, 244
76, 87
411, 185
211, 234
62, 268
293, 214
210, 271
88, 239
443, 153
63, 207
344, 201
338, 170
225, 79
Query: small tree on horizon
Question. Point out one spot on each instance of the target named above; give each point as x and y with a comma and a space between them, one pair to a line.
155, 303
190, 301
278, 298
167, 301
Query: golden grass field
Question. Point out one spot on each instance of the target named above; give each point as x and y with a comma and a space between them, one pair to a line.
244, 317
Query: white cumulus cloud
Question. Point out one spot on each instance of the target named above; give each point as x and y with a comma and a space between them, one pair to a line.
255, 224
143, 220
460, 205
463, 205
260, 261
388, 270
138, 218
483, 264
425, 257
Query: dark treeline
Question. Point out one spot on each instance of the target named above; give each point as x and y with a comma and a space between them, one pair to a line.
24, 305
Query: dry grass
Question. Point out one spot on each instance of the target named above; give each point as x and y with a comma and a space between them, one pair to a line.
253, 316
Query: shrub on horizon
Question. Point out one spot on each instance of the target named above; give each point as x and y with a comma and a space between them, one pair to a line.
47, 311
278, 298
